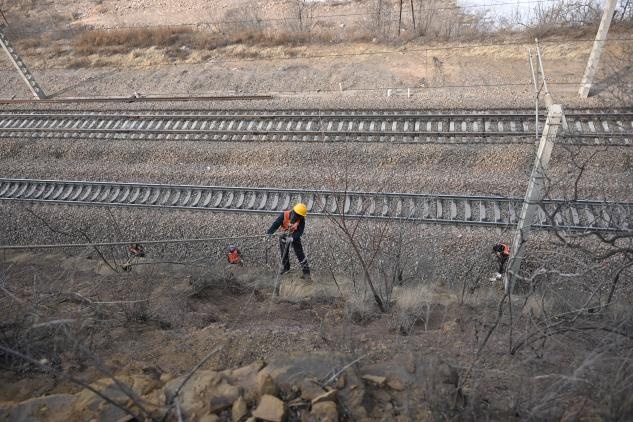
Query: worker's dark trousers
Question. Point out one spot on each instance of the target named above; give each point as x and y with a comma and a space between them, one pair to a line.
502, 263
285, 254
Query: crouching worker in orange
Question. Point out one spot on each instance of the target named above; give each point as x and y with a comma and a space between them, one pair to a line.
234, 255
502, 252
134, 252
292, 223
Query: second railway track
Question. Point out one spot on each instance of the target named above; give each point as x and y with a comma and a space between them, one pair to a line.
585, 128
422, 208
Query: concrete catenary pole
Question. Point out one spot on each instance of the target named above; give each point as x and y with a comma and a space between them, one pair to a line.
534, 194
19, 64
596, 51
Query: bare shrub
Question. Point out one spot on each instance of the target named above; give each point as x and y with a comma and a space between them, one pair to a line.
435, 22
597, 386
381, 24
412, 307
242, 19
30, 43
360, 307
303, 10
624, 13
578, 18
22, 5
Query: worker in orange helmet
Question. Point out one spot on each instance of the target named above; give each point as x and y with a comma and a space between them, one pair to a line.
292, 223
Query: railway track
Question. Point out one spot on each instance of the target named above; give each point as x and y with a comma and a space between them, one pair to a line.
586, 128
441, 209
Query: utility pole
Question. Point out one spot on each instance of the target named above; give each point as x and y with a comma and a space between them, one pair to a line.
549, 101
400, 18
534, 194
17, 61
596, 51
536, 94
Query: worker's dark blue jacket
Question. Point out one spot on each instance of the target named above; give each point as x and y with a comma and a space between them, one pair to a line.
294, 217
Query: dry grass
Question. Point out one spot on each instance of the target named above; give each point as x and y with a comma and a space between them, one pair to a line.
151, 46
124, 40
115, 41
420, 304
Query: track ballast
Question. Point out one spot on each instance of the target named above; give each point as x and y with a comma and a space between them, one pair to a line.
407, 127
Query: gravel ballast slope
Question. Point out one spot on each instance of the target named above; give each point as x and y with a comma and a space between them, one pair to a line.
456, 169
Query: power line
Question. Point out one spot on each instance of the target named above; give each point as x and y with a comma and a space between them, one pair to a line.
333, 55
144, 242
283, 19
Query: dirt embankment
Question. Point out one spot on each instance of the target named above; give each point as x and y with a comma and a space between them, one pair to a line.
319, 350
304, 48
152, 325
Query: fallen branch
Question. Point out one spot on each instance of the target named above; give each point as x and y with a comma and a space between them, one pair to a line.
53, 322
339, 372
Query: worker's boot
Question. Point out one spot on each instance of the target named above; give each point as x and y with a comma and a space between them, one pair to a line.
306, 276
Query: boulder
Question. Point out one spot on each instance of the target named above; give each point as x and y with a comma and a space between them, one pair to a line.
245, 378
289, 370
239, 410
375, 379
222, 397
310, 389
266, 385
205, 392
396, 384
324, 412
270, 409
412, 370
56, 407
93, 407
329, 396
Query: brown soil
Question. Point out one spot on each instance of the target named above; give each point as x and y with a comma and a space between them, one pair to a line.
189, 310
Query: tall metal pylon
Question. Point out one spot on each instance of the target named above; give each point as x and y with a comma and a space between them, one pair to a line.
19, 64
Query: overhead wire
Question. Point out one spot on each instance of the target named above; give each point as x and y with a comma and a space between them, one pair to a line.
122, 243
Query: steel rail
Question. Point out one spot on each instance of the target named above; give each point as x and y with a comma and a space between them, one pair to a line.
490, 211
297, 114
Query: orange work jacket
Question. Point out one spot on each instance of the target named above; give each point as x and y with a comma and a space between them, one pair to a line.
286, 226
234, 257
